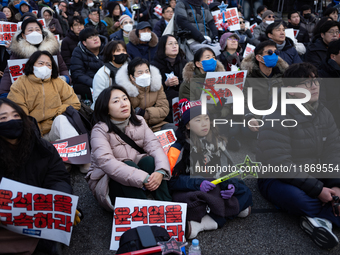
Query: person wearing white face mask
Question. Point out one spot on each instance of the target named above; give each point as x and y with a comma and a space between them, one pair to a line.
126, 25
43, 95
268, 17
143, 83
142, 42
30, 39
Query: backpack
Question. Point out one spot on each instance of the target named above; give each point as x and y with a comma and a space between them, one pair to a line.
130, 240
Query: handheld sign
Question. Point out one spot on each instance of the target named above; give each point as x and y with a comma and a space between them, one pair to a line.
37, 212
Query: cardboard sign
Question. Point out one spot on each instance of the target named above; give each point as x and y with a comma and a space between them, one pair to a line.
57, 37
176, 113
251, 28
37, 212
216, 81
166, 138
230, 17
16, 67
290, 33
249, 49
35, 12
74, 150
130, 213
7, 31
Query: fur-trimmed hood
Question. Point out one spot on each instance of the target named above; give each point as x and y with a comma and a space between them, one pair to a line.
24, 49
189, 70
249, 64
122, 79
134, 39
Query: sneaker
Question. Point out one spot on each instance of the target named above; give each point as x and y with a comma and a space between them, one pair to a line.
244, 213
320, 231
233, 144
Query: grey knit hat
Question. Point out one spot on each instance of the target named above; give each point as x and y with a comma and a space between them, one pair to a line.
266, 13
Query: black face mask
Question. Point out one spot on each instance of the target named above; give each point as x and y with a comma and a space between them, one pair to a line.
121, 59
11, 129
307, 16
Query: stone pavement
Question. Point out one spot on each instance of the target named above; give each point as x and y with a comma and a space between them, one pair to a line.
267, 231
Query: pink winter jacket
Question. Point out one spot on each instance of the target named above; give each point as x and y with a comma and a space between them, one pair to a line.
109, 152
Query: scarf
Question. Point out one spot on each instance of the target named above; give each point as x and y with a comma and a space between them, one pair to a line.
171, 60
281, 46
94, 23
230, 58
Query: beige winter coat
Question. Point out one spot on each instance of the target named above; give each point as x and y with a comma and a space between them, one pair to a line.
109, 152
152, 99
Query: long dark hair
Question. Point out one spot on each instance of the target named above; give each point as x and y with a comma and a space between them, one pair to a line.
13, 157
31, 61
183, 134
161, 47
101, 109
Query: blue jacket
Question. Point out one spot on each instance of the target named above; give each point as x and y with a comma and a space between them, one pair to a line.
289, 53
24, 2
116, 36
146, 51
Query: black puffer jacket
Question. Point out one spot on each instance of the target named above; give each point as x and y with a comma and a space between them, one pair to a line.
315, 140
84, 64
69, 43
316, 52
330, 88
44, 168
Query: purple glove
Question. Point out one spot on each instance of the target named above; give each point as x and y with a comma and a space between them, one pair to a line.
226, 194
207, 186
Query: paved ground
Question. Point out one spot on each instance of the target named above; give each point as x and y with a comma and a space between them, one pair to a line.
271, 232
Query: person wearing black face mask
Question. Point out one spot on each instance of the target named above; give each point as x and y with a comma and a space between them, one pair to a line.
114, 56
27, 158
308, 20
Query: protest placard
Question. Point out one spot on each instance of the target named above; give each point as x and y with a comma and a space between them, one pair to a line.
74, 150
176, 115
42, 22
290, 33
130, 213
166, 137
16, 67
215, 83
230, 17
7, 31
37, 212
251, 28
249, 49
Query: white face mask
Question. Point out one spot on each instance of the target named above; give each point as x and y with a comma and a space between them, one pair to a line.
145, 37
144, 80
90, 4
127, 27
269, 22
34, 38
42, 72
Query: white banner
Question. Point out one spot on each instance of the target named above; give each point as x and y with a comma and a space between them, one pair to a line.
130, 213
37, 212
230, 17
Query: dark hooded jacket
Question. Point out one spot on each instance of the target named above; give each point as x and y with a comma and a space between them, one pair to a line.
316, 52
84, 64
289, 53
314, 140
261, 84
136, 49
330, 88
159, 27
309, 24
68, 44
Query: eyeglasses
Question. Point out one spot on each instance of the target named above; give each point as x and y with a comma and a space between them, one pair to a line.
270, 52
242, 22
271, 16
232, 39
308, 84
336, 32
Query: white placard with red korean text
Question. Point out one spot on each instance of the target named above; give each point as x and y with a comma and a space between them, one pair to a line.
249, 49
230, 17
158, 11
166, 137
290, 33
251, 28
7, 31
131, 213
37, 212
214, 82
16, 67
74, 150
176, 114
42, 22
